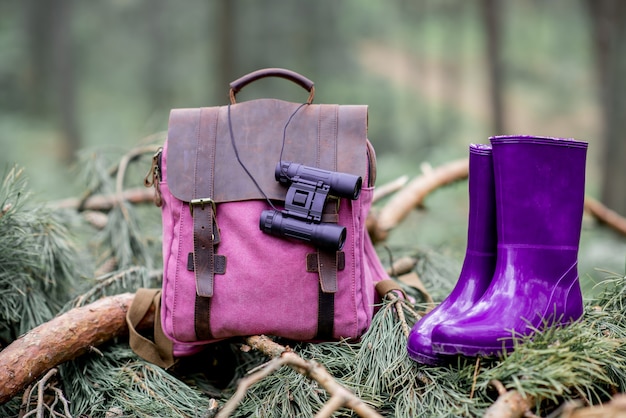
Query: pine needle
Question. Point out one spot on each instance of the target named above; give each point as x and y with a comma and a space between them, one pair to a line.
39, 260
116, 378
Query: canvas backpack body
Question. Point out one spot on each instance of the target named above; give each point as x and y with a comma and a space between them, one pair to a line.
224, 275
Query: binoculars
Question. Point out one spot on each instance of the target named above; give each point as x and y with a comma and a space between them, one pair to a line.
309, 188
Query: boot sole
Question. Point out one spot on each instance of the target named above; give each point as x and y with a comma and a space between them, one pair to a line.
424, 358
470, 350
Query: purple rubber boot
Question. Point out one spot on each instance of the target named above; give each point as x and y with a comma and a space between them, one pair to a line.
539, 188
480, 257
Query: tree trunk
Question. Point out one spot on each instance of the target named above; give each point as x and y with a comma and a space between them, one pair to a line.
157, 79
37, 28
64, 78
226, 43
490, 10
608, 28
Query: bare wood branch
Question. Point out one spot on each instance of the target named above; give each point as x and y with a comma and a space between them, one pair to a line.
389, 188
245, 384
339, 395
61, 339
402, 266
42, 404
413, 194
106, 202
334, 404
510, 404
605, 215
616, 408
379, 223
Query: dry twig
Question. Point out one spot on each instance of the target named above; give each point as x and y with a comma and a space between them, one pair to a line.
42, 405
339, 395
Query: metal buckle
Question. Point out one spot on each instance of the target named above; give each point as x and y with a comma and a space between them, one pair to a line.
201, 203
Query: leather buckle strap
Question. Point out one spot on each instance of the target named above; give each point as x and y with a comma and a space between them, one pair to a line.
203, 209
328, 262
201, 203
312, 262
205, 237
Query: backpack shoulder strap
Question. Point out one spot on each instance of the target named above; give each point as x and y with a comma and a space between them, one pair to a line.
159, 351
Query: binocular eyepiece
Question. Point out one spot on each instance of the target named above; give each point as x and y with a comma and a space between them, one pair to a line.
309, 188
340, 184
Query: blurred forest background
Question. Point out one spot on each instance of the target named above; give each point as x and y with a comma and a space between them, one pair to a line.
79, 77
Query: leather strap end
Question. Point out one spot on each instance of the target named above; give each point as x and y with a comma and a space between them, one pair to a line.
385, 286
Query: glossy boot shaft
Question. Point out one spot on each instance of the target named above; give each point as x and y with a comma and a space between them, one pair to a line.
539, 188
479, 262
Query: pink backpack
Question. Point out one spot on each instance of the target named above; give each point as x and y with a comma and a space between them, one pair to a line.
264, 205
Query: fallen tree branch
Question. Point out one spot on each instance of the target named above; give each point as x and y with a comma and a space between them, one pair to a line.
510, 404
81, 329
106, 202
412, 195
115, 170
61, 339
616, 408
402, 265
605, 215
379, 223
389, 188
339, 395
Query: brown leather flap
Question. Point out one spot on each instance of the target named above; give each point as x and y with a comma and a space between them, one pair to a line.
330, 137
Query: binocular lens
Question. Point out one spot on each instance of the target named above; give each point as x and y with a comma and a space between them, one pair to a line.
325, 236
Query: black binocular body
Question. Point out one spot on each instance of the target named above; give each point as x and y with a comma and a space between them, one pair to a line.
309, 188
340, 184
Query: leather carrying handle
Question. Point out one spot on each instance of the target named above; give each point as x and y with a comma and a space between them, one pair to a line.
292, 76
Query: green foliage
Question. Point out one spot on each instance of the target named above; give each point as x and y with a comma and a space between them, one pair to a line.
40, 264
121, 240
116, 380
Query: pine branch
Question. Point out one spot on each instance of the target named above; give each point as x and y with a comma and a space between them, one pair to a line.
100, 178
339, 395
39, 260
